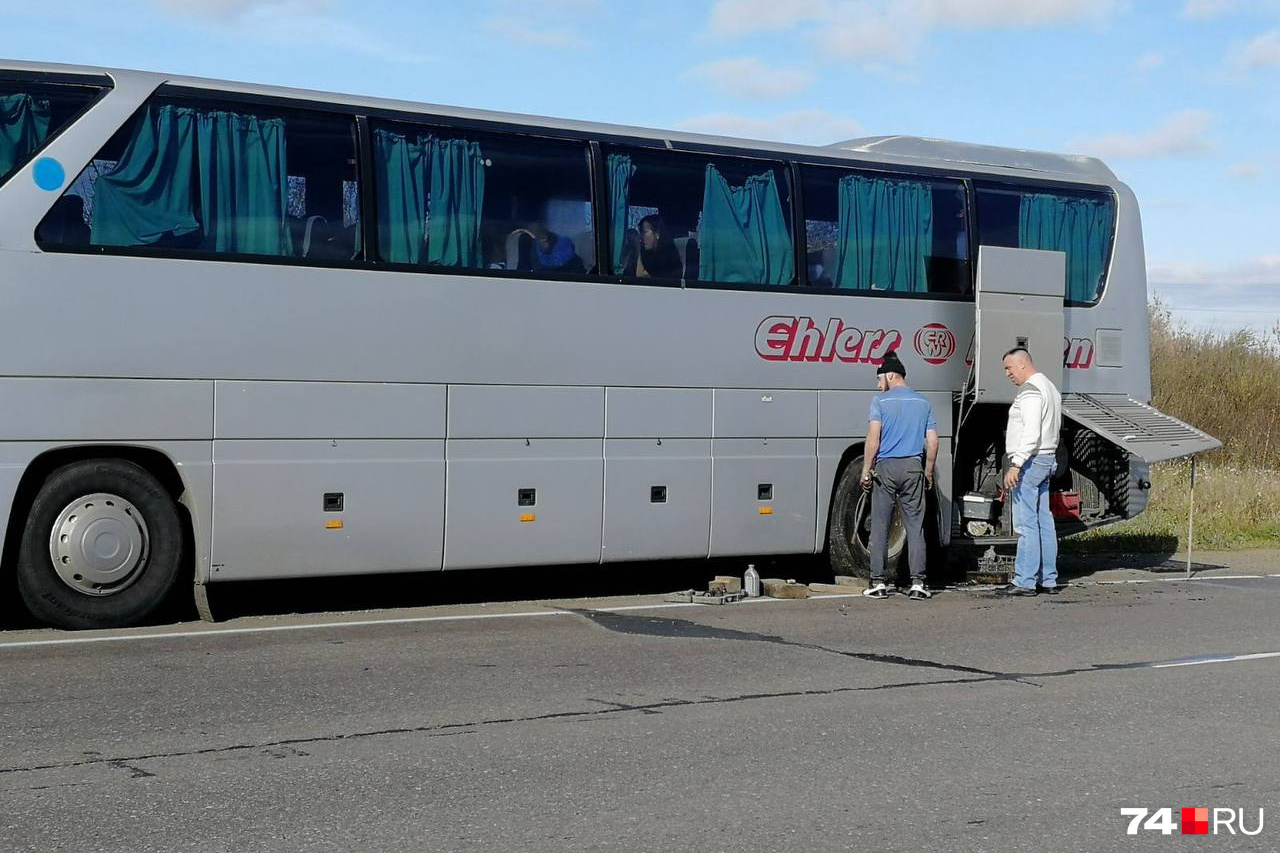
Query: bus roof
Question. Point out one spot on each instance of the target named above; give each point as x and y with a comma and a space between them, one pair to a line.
902, 150
971, 154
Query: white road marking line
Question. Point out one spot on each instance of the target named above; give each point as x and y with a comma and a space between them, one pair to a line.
415, 620
1223, 659
1177, 580
363, 623
268, 629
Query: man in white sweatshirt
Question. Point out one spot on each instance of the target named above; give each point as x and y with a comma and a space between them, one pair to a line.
1031, 443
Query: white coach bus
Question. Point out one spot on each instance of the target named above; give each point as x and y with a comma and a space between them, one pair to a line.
249, 332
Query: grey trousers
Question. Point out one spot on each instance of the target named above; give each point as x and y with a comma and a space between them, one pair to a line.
899, 481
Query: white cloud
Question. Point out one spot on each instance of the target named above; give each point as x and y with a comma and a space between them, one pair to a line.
749, 77
1245, 171
869, 37
1003, 14
815, 127
1202, 10
742, 17
518, 29
237, 8
1181, 134
1261, 52
1264, 270
868, 31
1148, 62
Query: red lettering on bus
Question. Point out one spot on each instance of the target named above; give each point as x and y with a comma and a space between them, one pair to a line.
1077, 353
781, 338
773, 336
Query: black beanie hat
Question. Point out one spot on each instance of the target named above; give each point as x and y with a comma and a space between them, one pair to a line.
892, 364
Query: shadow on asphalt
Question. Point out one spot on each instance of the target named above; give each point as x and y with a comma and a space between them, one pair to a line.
1082, 565
424, 589
527, 583
531, 583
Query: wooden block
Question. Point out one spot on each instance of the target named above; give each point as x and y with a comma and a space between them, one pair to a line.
728, 583
835, 588
778, 588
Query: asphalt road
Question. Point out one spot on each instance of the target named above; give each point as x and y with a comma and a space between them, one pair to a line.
967, 723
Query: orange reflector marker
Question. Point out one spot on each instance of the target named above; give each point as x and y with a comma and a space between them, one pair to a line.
527, 517
333, 525
766, 510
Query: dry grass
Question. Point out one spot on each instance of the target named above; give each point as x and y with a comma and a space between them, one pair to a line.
1228, 386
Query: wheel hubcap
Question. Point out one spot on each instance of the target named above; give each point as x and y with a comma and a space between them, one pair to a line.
98, 544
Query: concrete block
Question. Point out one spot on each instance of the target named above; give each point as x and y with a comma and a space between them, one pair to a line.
778, 588
849, 580
726, 583
682, 597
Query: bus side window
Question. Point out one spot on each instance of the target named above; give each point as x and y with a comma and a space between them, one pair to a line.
449, 198
877, 232
217, 178
32, 113
1080, 223
677, 216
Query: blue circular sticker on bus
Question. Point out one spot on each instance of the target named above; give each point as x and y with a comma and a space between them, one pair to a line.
49, 174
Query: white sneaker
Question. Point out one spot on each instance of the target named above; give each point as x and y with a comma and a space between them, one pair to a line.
918, 592
879, 590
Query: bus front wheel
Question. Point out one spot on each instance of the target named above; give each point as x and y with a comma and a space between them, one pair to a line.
102, 546
849, 529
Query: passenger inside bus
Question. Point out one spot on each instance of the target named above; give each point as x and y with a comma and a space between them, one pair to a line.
654, 253
699, 218
539, 249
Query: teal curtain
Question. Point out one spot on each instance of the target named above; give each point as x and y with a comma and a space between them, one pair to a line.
430, 199
884, 234
217, 173
456, 203
621, 171
1081, 227
244, 190
400, 166
149, 193
24, 125
744, 235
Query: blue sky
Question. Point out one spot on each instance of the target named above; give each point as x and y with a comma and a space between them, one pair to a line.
1180, 97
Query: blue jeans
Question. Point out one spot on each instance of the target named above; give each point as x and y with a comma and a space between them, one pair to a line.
1037, 559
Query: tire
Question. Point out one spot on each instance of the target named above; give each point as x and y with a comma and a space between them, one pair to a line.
102, 546
849, 528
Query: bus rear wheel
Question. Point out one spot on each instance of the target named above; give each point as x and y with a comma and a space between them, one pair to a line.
849, 529
102, 546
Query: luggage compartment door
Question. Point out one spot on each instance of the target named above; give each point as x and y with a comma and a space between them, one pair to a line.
1020, 303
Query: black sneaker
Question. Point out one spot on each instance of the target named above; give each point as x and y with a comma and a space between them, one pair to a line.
1015, 591
1048, 590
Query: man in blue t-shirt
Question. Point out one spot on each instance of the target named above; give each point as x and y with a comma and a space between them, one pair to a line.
902, 444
